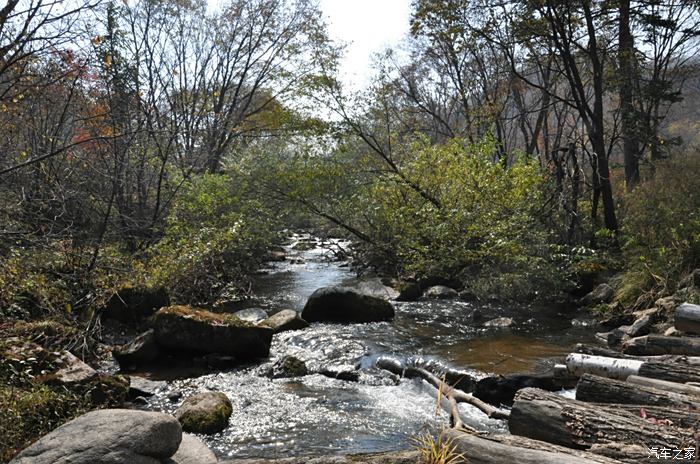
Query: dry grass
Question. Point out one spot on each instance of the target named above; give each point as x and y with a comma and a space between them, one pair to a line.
437, 449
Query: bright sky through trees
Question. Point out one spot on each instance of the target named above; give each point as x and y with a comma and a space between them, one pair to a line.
368, 26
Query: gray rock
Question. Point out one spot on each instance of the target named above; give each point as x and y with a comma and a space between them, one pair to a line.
346, 305
142, 349
603, 293
73, 370
187, 328
341, 372
192, 451
289, 366
641, 326
206, 412
376, 288
440, 292
666, 304
175, 396
500, 322
284, 320
108, 436
253, 315
138, 386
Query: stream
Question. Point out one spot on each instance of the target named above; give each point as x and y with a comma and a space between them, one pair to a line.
318, 415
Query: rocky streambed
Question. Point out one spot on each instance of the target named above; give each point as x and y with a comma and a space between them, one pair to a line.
342, 403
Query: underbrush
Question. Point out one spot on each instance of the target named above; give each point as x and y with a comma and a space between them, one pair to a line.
661, 232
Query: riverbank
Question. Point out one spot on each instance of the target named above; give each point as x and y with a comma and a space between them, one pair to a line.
345, 399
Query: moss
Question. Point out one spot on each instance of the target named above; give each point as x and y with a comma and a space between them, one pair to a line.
209, 421
202, 315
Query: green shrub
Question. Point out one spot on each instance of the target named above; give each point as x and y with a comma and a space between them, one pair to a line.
485, 231
215, 238
29, 413
661, 233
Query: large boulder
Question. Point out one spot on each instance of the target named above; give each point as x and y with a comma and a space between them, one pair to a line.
603, 293
192, 451
141, 350
343, 304
375, 287
284, 320
108, 436
192, 329
206, 412
440, 292
134, 304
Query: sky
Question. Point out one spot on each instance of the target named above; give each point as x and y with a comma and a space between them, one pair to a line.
367, 27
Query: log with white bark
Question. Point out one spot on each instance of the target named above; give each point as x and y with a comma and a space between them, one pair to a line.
614, 368
549, 417
661, 344
503, 448
600, 351
687, 318
597, 389
665, 385
620, 368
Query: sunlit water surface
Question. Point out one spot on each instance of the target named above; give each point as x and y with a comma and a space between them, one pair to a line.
315, 414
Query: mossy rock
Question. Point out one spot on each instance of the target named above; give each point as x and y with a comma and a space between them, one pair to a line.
207, 412
193, 329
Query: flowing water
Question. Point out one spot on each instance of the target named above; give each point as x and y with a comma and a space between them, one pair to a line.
315, 415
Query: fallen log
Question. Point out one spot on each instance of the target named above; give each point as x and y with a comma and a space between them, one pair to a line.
679, 417
502, 448
597, 389
451, 394
614, 368
687, 318
545, 416
620, 368
683, 370
600, 351
501, 389
660, 344
665, 385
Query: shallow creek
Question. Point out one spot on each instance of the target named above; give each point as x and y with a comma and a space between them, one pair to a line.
315, 415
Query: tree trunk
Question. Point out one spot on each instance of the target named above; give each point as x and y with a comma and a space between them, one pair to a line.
660, 344
687, 318
575, 424
601, 390
630, 146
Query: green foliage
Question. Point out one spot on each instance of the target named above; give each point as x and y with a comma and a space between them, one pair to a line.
214, 240
661, 234
29, 413
485, 230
